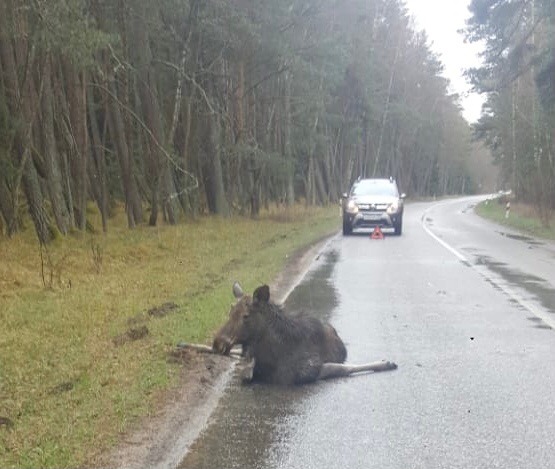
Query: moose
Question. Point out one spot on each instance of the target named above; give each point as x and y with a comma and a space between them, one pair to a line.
284, 349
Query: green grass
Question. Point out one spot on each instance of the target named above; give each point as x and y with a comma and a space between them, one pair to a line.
521, 217
66, 386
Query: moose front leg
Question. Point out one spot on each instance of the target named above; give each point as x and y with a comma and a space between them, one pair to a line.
246, 366
337, 370
246, 370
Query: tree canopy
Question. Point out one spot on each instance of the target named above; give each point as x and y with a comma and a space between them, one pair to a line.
518, 78
184, 107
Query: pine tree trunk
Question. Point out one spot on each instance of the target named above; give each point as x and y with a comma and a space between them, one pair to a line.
7, 208
385, 112
20, 105
288, 153
220, 206
97, 165
76, 100
35, 200
53, 166
119, 139
160, 179
513, 136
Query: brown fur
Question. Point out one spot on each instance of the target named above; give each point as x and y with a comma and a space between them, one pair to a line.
285, 349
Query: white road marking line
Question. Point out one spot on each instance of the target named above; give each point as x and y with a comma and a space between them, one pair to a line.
439, 240
484, 272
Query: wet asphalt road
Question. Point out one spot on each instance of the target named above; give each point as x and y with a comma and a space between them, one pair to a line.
465, 308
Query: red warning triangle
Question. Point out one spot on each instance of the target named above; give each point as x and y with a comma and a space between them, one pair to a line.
377, 233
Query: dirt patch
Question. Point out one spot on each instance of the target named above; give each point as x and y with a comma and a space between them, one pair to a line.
6, 422
66, 386
130, 335
162, 439
163, 310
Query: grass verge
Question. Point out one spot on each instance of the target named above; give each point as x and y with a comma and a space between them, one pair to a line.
85, 334
522, 217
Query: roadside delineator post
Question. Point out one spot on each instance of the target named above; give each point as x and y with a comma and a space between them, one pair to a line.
377, 233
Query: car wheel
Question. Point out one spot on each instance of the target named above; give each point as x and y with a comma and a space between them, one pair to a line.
398, 227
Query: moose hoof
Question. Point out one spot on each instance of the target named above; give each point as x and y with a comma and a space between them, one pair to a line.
247, 372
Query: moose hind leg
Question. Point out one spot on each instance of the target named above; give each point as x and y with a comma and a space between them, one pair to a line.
308, 371
337, 370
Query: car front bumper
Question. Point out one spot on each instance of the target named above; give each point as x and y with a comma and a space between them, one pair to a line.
373, 219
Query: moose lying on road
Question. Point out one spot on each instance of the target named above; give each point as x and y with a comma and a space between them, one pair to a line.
285, 349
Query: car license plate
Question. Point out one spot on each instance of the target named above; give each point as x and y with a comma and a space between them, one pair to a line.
372, 216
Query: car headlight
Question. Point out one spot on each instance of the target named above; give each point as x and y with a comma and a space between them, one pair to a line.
393, 208
352, 207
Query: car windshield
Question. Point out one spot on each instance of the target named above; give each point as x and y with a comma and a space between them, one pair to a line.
374, 187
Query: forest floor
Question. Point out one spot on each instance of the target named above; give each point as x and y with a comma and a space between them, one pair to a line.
163, 438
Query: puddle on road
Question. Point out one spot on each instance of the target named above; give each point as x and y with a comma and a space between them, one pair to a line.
316, 296
248, 422
468, 208
538, 322
535, 286
519, 237
251, 421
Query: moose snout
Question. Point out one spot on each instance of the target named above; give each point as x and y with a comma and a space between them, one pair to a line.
222, 345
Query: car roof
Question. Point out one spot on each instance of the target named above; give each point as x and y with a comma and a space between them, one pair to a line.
375, 186
376, 179
383, 181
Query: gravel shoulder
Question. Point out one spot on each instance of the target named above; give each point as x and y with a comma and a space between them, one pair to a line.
162, 439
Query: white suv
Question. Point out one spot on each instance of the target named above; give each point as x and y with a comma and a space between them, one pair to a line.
371, 203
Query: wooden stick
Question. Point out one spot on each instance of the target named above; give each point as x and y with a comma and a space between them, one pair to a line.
202, 348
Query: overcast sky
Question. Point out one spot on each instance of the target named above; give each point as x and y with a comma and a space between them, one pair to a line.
442, 19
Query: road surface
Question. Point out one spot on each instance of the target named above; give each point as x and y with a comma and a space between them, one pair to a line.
466, 309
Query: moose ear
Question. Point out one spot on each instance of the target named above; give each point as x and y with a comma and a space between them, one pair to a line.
262, 294
237, 290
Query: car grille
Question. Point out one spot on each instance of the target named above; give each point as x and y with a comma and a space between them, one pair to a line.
372, 207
